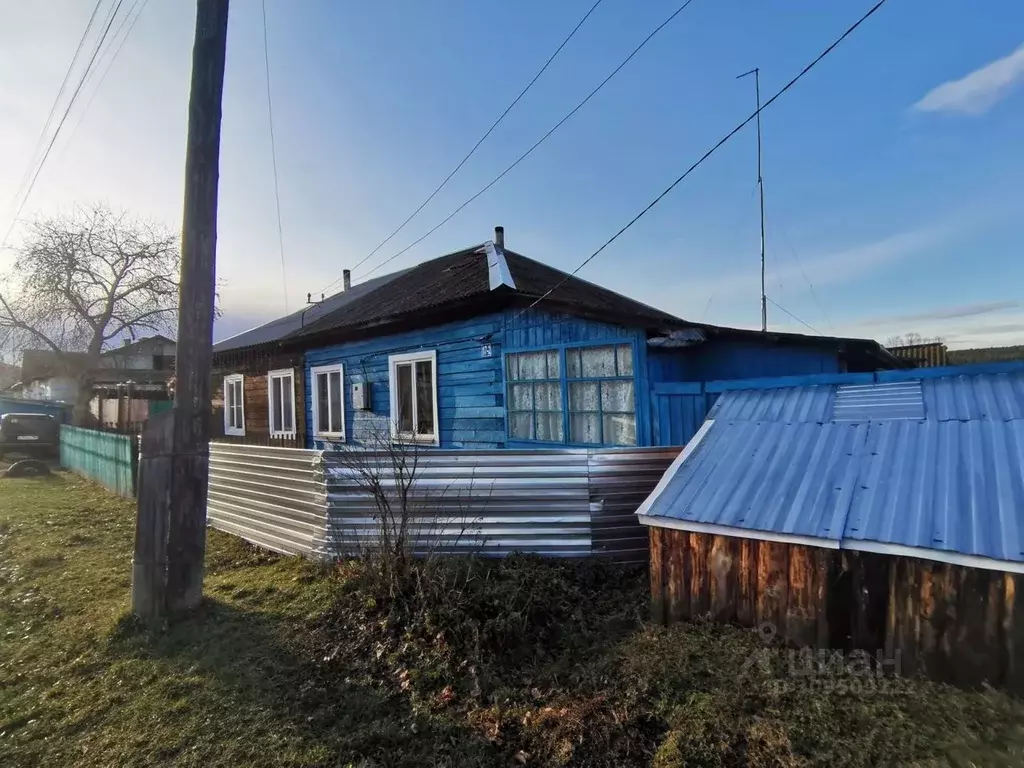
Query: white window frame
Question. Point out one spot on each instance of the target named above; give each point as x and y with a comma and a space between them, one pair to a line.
413, 357
228, 381
314, 384
280, 373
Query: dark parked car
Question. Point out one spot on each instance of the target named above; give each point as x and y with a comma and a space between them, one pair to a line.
32, 434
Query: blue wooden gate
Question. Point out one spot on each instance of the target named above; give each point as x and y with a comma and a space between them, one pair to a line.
678, 409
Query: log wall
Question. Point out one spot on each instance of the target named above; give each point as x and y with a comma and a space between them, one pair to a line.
952, 623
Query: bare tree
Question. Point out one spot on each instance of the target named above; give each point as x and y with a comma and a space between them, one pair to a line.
912, 339
84, 280
386, 513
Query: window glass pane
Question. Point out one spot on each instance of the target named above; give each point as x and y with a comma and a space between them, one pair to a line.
572, 364
323, 408
624, 353
597, 361
554, 369
521, 425
404, 397
547, 396
424, 398
513, 367
520, 397
532, 365
617, 396
583, 396
585, 428
337, 413
620, 429
287, 407
549, 427
276, 404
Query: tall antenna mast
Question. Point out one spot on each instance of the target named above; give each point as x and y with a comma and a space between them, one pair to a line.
756, 72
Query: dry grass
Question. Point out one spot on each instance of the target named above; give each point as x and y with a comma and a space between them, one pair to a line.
519, 662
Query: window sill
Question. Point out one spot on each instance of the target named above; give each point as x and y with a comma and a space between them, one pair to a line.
336, 437
416, 439
230, 432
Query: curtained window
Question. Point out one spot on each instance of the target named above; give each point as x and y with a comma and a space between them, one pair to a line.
599, 390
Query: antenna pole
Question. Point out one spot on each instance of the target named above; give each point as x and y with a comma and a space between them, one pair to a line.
756, 72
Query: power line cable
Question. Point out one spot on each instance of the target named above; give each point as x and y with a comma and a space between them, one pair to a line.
63, 119
273, 157
806, 325
482, 139
540, 141
56, 101
710, 152
110, 64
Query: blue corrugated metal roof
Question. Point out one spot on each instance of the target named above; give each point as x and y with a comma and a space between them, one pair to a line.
896, 400
794, 404
933, 468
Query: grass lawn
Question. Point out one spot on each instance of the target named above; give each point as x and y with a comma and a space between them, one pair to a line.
289, 663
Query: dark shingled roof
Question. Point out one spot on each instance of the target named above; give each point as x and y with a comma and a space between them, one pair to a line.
462, 280
463, 276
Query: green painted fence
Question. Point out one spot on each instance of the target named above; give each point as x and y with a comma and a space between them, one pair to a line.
108, 458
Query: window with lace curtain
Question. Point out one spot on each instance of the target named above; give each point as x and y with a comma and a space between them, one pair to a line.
578, 396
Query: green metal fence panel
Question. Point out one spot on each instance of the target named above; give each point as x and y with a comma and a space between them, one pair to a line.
107, 458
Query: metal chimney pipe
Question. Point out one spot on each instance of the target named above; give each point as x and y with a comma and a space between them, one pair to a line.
499, 237
346, 276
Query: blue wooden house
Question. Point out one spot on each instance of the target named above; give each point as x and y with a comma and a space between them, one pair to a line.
485, 348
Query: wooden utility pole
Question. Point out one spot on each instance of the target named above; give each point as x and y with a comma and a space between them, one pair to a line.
170, 539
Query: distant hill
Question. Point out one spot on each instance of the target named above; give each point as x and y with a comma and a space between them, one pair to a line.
985, 355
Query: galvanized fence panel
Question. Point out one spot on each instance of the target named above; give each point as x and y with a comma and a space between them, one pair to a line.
109, 459
272, 497
619, 481
566, 503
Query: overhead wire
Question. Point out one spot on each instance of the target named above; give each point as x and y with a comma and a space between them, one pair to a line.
64, 117
480, 141
273, 157
56, 102
709, 153
141, 5
536, 144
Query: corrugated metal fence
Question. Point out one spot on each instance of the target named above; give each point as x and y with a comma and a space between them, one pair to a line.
273, 497
109, 459
566, 503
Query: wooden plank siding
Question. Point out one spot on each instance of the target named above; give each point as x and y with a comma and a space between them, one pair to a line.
256, 399
470, 388
952, 623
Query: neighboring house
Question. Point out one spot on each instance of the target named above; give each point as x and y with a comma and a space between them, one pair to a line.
9, 376
130, 380
452, 353
45, 375
931, 354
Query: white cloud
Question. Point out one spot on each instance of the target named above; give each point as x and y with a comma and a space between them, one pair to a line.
977, 92
992, 324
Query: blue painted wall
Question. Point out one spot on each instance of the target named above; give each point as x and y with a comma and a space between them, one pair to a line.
727, 359
670, 403
470, 389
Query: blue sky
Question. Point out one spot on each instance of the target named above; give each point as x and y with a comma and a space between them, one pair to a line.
892, 172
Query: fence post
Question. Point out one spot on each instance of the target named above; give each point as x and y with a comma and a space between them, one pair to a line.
149, 566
